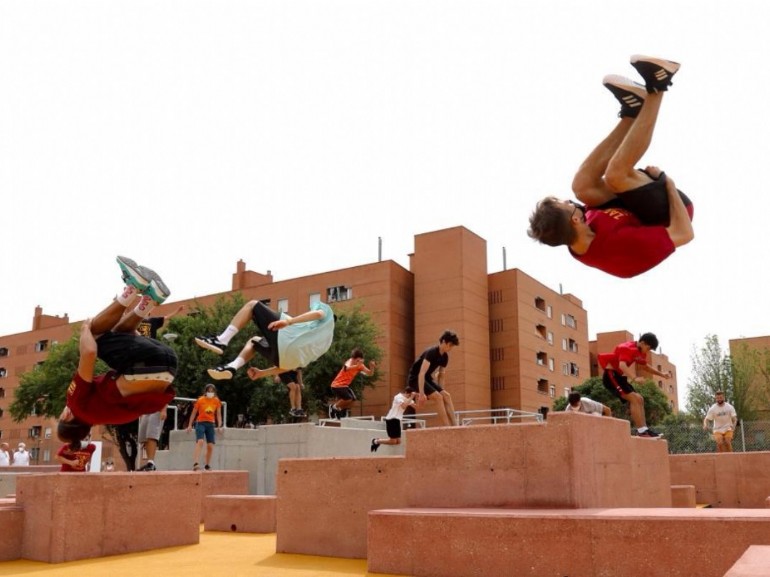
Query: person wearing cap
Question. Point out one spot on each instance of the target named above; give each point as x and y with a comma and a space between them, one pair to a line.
208, 410
21, 456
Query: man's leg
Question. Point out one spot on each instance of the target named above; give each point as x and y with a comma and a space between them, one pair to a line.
728, 440
440, 407
227, 372
218, 344
209, 452
197, 452
450, 408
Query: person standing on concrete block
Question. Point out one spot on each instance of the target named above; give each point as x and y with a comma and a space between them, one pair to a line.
286, 342
208, 410
21, 456
5, 455
578, 404
618, 376
75, 457
293, 382
150, 430
401, 402
345, 396
426, 377
141, 369
724, 418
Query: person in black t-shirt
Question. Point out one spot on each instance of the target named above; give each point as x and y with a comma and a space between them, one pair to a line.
426, 377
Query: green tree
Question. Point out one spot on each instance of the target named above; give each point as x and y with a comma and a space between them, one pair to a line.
656, 406
751, 381
684, 434
711, 372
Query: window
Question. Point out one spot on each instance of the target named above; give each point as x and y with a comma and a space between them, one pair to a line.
660, 384
498, 383
542, 386
565, 369
570, 321
34, 454
549, 312
542, 358
567, 391
1, 412
283, 305
47, 455
540, 303
497, 354
34, 432
338, 293
495, 297
550, 338
3, 351
541, 330
564, 344
574, 371
550, 364
572, 345
2, 392
313, 299
563, 319
552, 391
495, 325
3, 373
41, 346
48, 432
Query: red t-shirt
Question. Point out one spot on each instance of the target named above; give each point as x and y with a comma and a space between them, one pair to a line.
82, 455
100, 402
627, 353
622, 246
346, 375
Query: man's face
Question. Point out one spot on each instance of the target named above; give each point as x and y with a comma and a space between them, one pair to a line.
357, 361
644, 347
574, 210
445, 347
720, 399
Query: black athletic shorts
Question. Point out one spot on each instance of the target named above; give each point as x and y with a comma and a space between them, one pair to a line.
393, 427
617, 383
288, 377
649, 202
344, 393
132, 354
262, 315
430, 387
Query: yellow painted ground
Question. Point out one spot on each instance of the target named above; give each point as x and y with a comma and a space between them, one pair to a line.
217, 555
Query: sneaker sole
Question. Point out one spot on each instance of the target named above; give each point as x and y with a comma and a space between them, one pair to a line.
630, 94
133, 273
657, 72
157, 289
668, 65
209, 347
220, 375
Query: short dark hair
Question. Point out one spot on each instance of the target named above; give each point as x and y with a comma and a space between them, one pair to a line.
449, 337
357, 354
72, 431
573, 398
719, 393
550, 224
649, 339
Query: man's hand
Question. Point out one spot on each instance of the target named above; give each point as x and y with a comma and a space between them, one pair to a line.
279, 324
653, 171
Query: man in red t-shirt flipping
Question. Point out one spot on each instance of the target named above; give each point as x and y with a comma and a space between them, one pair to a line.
618, 376
632, 219
141, 369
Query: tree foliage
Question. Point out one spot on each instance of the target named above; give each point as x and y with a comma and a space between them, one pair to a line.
656, 406
711, 372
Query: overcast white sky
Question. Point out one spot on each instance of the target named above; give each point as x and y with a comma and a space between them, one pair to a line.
189, 134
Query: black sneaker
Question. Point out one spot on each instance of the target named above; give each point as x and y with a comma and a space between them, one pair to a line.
375, 446
299, 413
221, 373
211, 343
649, 434
332, 411
657, 72
629, 93
260, 342
207, 468
148, 467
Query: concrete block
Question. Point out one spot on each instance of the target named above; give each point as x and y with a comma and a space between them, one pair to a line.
222, 483
755, 562
69, 517
239, 513
12, 524
683, 496
664, 542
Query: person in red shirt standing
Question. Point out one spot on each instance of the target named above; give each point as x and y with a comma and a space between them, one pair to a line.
208, 410
75, 457
141, 369
632, 219
618, 376
344, 395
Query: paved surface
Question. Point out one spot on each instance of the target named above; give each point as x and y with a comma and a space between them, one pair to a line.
217, 555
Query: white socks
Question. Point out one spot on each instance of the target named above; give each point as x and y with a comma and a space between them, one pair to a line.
228, 334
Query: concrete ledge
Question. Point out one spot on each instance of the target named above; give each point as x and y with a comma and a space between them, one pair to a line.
69, 517
12, 524
755, 562
664, 542
222, 483
239, 513
683, 496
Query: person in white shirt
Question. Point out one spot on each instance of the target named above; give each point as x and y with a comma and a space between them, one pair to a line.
5, 455
724, 420
401, 401
578, 404
21, 456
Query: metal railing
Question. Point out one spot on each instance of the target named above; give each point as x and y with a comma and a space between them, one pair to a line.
188, 399
494, 416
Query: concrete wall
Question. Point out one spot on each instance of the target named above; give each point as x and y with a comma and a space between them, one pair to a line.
259, 450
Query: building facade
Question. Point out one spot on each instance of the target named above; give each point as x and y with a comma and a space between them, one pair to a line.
522, 344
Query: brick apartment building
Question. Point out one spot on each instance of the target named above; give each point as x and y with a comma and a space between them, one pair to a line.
522, 344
